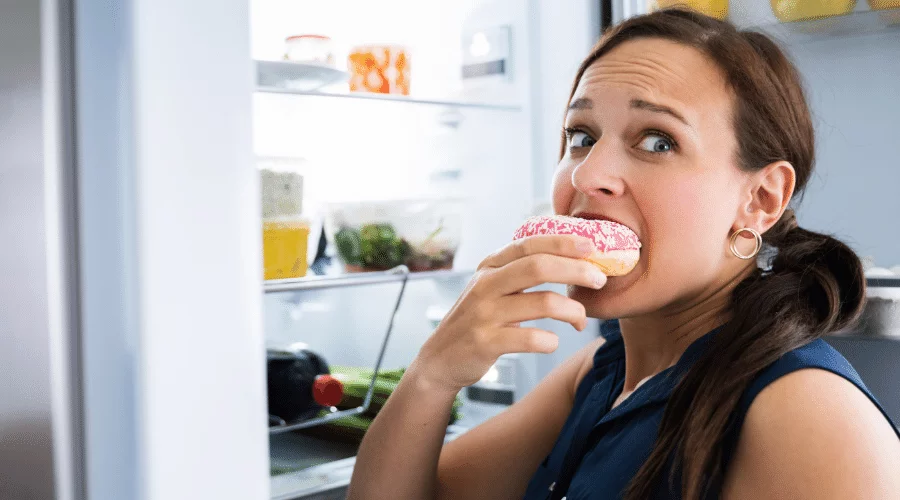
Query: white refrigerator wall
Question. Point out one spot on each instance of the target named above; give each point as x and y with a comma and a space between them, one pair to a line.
853, 85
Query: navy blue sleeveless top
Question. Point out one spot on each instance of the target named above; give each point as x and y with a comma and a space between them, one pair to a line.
599, 449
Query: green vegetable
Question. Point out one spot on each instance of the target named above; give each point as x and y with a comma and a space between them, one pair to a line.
380, 247
276, 470
349, 246
356, 382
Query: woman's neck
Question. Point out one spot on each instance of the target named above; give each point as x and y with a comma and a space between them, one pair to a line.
656, 342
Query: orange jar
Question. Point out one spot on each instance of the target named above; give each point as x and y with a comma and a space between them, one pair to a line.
804, 10
382, 69
712, 8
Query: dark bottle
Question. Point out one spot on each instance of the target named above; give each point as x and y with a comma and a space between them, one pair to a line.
300, 385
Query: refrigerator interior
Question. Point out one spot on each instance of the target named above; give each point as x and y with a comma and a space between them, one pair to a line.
449, 137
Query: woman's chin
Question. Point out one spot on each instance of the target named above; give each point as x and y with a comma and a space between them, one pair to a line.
615, 300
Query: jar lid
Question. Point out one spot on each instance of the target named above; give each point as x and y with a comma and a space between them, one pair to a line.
299, 37
282, 193
327, 390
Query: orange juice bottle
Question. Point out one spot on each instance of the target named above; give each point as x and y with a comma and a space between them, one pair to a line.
712, 8
285, 230
802, 10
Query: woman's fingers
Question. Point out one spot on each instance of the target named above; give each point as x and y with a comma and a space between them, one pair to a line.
530, 306
534, 270
510, 340
563, 245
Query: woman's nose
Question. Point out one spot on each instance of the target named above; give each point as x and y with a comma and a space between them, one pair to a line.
599, 174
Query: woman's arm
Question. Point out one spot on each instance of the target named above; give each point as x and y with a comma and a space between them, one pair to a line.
814, 435
401, 455
497, 458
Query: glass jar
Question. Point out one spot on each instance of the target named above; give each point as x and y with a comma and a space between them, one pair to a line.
285, 230
316, 49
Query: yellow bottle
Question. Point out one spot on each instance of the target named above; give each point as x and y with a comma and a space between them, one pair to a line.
803, 10
285, 232
884, 4
712, 8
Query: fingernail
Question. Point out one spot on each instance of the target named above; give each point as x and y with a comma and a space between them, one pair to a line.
599, 280
585, 246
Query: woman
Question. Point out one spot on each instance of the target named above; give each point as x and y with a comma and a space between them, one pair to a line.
714, 381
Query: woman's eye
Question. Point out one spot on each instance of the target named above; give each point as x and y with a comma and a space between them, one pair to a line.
578, 139
656, 143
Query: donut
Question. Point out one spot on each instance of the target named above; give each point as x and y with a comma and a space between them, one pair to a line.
618, 247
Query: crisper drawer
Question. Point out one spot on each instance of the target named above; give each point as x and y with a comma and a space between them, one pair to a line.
317, 469
308, 467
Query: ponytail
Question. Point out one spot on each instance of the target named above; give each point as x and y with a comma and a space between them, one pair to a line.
814, 285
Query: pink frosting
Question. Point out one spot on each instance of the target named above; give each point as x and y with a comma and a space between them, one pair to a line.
607, 235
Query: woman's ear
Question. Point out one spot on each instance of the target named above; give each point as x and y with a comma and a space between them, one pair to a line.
771, 189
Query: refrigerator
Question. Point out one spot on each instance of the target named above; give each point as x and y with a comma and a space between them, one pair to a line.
133, 298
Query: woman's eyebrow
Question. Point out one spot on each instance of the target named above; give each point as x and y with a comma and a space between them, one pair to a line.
581, 103
586, 103
657, 108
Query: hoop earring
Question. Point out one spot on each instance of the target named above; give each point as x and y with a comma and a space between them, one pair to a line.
755, 234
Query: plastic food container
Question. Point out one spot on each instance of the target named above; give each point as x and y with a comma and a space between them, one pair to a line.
285, 230
376, 236
713, 8
804, 10
316, 49
382, 69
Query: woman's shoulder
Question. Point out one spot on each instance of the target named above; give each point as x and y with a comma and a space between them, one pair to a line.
812, 433
809, 424
814, 367
816, 354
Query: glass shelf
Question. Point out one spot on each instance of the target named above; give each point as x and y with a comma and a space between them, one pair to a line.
859, 22
297, 76
390, 98
303, 79
359, 279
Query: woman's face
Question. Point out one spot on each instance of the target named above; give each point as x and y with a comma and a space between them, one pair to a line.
650, 144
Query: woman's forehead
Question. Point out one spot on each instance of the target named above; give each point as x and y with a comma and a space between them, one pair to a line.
657, 70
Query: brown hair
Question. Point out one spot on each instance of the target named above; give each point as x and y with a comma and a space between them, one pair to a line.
811, 284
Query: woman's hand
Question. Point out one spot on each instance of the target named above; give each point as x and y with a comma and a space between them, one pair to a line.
484, 322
